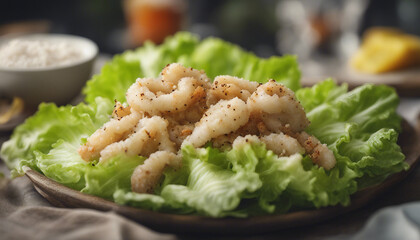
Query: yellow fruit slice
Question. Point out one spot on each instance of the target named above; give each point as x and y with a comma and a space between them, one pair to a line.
385, 50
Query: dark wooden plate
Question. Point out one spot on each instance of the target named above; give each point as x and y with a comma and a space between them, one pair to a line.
62, 196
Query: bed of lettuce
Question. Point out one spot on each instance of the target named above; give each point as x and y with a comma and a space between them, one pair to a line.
360, 126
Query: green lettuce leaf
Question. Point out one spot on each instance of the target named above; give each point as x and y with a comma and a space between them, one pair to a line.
50, 125
323, 92
361, 128
147, 61
218, 57
48, 142
119, 73
214, 56
212, 189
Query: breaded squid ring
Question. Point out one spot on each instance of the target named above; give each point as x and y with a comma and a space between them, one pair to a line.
143, 100
151, 134
278, 108
147, 176
319, 153
228, 87
225, 117
172, 73
282, 144
120, 110
112, 131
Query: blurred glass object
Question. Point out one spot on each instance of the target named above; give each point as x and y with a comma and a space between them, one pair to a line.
249, 23
25, 27
153, 19
319, 28
409, 15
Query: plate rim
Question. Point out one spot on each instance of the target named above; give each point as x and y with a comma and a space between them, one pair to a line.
405, 81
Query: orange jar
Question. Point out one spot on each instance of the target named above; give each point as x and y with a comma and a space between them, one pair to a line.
153, 19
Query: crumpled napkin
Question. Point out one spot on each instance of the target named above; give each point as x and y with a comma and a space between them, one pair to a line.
398, 222
24, 214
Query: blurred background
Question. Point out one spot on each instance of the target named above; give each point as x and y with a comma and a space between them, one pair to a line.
305, 27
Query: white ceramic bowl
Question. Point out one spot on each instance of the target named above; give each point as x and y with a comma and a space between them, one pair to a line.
59, 84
